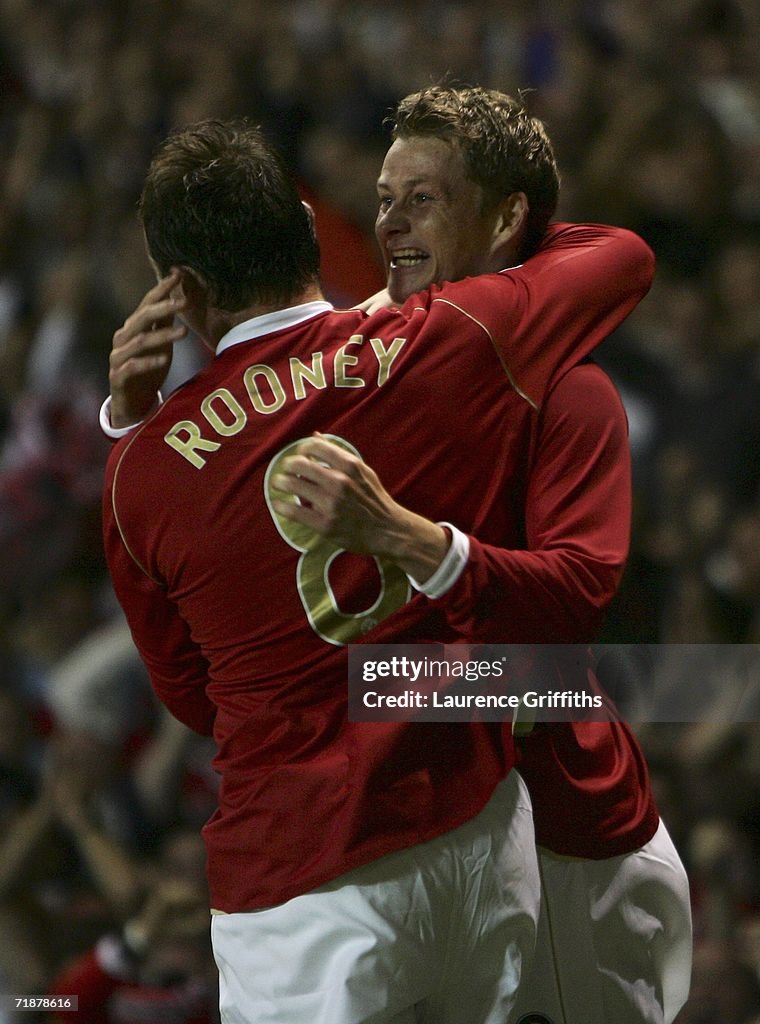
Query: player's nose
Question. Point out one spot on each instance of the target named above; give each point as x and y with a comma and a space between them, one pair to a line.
392, 221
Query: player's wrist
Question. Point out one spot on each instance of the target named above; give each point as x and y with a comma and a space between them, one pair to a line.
451, 567
115, 423
125, 415
417, 545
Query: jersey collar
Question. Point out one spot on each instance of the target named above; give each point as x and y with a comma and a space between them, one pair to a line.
258, 326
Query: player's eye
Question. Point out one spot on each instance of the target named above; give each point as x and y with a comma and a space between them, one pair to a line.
385, 202
422, 197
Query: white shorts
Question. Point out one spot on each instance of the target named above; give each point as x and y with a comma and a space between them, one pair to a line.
614, 939
437, 933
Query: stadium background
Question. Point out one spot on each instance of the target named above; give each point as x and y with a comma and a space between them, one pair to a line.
655, 114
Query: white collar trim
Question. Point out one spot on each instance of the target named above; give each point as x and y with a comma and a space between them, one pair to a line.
258, 326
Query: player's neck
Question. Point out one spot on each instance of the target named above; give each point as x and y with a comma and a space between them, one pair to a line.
220, 321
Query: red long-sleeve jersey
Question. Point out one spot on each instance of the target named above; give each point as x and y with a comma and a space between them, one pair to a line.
242, 619
588, 781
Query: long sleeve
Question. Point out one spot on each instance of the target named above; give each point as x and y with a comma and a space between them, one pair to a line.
551, 312
577, 526
177, 668
581, 284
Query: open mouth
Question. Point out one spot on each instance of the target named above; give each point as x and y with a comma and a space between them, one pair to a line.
407, 258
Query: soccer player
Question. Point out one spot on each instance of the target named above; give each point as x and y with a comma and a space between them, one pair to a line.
615, 930
339, 851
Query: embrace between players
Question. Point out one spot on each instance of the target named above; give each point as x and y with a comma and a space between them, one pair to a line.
451, 468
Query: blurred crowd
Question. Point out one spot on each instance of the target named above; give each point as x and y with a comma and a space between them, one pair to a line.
655, 114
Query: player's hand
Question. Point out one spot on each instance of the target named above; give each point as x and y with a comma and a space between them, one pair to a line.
342, 499
141, 354
380, 300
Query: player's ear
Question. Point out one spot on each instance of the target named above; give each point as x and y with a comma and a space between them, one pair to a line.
509, 229
511, 219
192, 285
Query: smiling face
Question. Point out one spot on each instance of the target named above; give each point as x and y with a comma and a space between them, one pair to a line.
431, 224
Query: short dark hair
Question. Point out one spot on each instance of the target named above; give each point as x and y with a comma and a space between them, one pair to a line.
505, 150
218, 198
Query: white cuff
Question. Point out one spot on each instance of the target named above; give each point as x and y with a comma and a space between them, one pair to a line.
105, 420
450, 569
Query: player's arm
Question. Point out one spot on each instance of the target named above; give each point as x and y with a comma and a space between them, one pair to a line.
177, 668
577, 526
552, 311
340, 497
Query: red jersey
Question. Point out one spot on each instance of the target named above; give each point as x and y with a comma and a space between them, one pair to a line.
588, 781
242, 617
